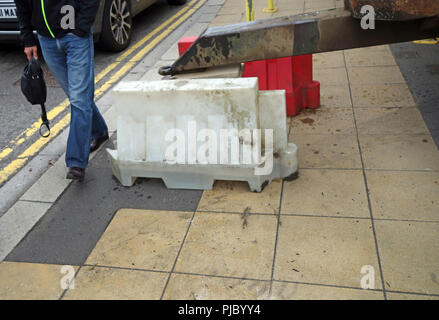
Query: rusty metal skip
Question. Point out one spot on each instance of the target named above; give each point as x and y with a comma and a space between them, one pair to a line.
325, 31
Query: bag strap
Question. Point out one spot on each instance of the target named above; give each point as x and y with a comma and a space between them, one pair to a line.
45, 121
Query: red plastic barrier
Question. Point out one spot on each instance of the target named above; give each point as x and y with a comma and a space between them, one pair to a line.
184, 44
292, 74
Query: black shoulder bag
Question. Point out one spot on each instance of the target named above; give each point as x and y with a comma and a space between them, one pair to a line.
34, 89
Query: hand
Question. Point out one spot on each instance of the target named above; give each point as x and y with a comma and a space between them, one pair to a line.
31, 52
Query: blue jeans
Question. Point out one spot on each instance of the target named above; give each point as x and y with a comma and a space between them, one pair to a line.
70, 59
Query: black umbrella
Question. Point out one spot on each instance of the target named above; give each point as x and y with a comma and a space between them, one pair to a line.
34, 88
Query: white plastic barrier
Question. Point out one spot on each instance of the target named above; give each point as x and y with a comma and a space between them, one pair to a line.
192, 132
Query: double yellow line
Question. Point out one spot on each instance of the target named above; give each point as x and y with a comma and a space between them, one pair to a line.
163, 31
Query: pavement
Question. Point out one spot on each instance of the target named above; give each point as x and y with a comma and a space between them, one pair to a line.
363, 212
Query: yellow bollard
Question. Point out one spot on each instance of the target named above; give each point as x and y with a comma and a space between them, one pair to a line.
271, 8
250, 10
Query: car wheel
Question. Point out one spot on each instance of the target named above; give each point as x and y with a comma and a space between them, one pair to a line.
116, 25
176, 2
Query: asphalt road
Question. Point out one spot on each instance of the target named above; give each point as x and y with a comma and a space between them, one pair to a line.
16, 114
419, 63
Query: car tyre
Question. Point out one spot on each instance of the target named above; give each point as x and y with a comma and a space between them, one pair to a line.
176, 2
117, 24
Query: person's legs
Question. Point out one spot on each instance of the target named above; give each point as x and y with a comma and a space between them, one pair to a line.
55, 58
85, 117
99, 131
99, 127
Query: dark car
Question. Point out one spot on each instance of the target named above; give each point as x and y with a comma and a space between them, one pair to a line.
112, 27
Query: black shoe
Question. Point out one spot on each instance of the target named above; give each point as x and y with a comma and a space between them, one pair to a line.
75, 173
96, 143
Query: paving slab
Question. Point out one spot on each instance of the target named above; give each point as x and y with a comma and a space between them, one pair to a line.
329, 251
404, 195
399, 152
328, 151
148, 240
323, 192
409, 253
384, 95
229, 245
323, 121
300, 291
188, 287
335, 96
96, 283
390, 121
31, 281
234, 196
